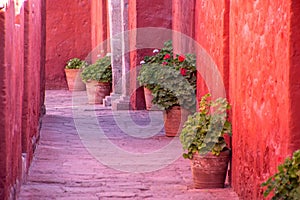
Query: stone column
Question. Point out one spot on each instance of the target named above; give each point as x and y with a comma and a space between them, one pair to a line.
124, 102
116, 50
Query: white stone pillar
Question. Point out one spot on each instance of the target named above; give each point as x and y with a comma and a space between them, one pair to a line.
116, 50
124, 102
125, 50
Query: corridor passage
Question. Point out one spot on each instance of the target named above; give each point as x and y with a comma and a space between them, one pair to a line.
90, 152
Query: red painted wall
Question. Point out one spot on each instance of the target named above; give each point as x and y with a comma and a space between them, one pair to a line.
68, 36
11, 98
34, 62
99, 25
183, 25
212, 48
294, 77
263, 90
258, 61
155, 13
212, 34
13, 51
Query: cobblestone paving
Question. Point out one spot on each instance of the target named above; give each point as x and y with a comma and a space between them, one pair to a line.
89, 152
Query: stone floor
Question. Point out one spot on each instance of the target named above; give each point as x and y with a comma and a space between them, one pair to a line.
90, 152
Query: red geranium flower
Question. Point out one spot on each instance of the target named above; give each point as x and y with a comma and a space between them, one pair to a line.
181, 58
183, 71
164, 63
167, 56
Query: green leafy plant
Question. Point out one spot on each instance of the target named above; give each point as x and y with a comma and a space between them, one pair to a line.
285, 184
171, 79
76, 63
204, 131
163, 56
99, 71
169, 87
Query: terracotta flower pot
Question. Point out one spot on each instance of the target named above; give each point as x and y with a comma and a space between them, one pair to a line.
174, 119
148, 98
209, 171
74, 80
97, 91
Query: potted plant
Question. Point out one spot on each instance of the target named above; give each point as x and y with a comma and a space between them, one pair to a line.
285, 184
143, 77
73, 69
172, 82
202, 137
98, 78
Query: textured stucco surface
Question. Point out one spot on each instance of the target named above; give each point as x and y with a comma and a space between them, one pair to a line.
21, 96
143, 14
260, 92
258, 61
68, 35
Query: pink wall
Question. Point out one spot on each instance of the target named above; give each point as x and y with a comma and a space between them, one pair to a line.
99, 24
258, 61
212, 34
294, 77
183, 25
11, 77
68, 36
34, 62
155, 13
259, 65
13, 63
212, 42
261, 91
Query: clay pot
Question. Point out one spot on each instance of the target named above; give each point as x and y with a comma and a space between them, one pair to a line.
74, 80
148, 98
209, 171
174, 119
97, 91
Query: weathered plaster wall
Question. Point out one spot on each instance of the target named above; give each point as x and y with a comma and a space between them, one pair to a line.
144, 14
263, 90
212, 48
34, 62
14, 51
11, 78
68, 36
99, 25
294, 76
183, 25
212, 35
258, 62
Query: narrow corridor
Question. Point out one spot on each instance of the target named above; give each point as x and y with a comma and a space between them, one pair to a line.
66, 164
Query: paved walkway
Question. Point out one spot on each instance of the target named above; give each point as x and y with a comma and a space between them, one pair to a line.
89, 152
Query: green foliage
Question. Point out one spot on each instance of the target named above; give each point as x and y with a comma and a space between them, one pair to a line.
204, 130
172, 80
159, 56
168, 87
285, 184
76, 63
99, 71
